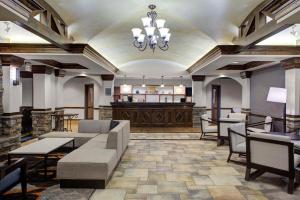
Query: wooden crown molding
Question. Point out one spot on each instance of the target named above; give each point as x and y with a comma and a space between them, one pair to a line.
41, 69
11, 60
198, 77
107, 77
83, 49
291, 63
59, 73
213, 54
25, 74
245, 74
246, 66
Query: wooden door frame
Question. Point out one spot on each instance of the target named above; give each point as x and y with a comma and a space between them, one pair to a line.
86, 86
218, 94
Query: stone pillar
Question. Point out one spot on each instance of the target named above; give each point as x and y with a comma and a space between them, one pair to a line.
11, 97
292, 84
11, 132
105, 112
246, 78
44, 93
199, 98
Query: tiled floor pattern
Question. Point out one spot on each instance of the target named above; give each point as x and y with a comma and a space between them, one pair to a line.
182, 170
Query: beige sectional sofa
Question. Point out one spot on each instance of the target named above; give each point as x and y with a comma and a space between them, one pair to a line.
91, 165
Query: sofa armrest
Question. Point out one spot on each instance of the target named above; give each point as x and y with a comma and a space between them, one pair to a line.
21, 163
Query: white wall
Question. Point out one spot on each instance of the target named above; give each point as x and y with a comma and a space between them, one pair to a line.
120, 81
73, 95
231, 94
12, 94
27, 91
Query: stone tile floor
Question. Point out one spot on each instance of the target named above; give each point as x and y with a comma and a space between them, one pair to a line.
189, 169
185, 170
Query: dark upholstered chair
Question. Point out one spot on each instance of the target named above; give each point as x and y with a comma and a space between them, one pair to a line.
13, 174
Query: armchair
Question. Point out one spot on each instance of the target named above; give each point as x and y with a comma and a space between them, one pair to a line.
207, 129
223, 125
267, 126
238, 116
237, 139
12, 175
274, 154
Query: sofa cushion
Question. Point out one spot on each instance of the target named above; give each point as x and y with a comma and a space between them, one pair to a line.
115, 140
87, 164
89, 126
94, 144
10, 179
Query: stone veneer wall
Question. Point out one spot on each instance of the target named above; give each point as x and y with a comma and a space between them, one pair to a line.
41, 122
11, 132
197, 112
105, 112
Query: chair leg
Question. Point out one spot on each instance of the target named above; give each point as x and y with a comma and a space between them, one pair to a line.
202, 134
291, 186
229, 156
247, 175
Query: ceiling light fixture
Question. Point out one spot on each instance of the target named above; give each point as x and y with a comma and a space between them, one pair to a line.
181, 85
155, 32
143, 85
162, 82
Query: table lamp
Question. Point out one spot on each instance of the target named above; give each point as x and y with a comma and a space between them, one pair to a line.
279, 95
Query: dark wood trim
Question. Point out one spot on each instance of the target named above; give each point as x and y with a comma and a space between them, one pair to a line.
107, 77
8, 60
59, 108
264, 116
59, 73
246, 66
246, 74
292, 63
41, 109
25, 74
41, 69
198, 77
11, 114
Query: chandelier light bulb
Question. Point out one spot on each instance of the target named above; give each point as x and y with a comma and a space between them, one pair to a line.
141, 38
163, 32
136, 32
150, 31
160, 23
146, 21
167, 39
154, 39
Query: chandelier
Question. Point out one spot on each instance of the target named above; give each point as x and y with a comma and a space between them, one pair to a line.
155, 33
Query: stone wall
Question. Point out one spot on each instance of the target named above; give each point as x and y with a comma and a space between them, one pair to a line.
11, 132
41, 122
197, 112
105, 112
292, 122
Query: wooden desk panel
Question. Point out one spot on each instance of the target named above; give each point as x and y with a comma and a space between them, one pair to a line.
154, 114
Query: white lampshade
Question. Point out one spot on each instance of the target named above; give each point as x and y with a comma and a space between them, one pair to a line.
277, 95
150, 31
141, 38
163, 32
154, 39
136, 32
160, 23
146, 21
167, 39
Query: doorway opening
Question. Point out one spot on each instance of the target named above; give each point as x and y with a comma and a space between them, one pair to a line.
89, 101
215, 102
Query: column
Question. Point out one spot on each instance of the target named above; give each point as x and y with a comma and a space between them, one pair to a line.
199, 98
59, 102
105, 109
246, 82
11, 92
292, 84
44, 95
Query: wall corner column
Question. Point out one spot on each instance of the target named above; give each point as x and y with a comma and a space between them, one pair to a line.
199, 98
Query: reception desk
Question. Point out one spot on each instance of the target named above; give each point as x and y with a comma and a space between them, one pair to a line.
154, 114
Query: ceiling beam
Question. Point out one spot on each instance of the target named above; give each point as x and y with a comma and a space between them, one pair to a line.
37, 17
249, 65
255, 27
83, 49
232, 50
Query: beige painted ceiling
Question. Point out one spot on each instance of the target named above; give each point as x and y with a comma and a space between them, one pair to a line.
196, 26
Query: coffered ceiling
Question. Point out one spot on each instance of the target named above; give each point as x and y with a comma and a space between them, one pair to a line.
196, 26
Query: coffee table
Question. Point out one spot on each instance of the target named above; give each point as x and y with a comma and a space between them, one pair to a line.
41, 148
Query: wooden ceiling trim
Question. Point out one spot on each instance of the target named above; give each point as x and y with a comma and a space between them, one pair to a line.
8, 60
83, 49
292, 63
198, 77
107, 77
246, 66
